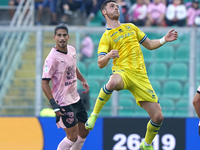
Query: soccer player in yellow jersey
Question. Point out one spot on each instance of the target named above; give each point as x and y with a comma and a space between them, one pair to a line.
121, 42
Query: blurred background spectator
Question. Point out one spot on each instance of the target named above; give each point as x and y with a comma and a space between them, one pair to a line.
67, 7
123, 9
52, 6
176, 13
155, 13
13, 3
39, 11
87, 48
95, 10
192, 13
138, 12
89, 6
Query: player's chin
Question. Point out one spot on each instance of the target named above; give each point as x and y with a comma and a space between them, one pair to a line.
63, 45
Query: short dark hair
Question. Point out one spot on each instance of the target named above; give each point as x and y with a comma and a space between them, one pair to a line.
62, 26
105, 4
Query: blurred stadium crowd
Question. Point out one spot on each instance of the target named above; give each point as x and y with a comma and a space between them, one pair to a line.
139, 12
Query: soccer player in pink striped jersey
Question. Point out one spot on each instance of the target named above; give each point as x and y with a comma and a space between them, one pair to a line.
196, 103
60, 68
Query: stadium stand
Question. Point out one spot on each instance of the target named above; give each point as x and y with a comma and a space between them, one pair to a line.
81, 66
165, 54
168, 107
157, 71
94, 88
94, 72
157, 87
147, 54
178, 71
185, 90
172, 89
125, 94
198, 72
140, 112
182, 54
181, 108
126, 107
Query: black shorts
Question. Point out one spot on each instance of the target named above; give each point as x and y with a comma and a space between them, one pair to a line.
73, 114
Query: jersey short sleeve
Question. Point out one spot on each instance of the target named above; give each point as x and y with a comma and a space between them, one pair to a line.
48, 68
103, 48
140, 35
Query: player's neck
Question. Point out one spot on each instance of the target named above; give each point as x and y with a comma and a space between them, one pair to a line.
113, 23
61, 49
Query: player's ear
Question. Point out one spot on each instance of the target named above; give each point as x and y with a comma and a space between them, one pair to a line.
104, 12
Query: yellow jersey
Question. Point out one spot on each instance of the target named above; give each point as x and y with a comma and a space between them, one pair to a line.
126, 39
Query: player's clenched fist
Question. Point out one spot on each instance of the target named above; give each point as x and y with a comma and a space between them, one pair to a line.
114, 54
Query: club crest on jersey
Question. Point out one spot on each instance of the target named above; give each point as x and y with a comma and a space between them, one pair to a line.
71, 72
120, 30
70, 120
46, 69
70, 114
129, 28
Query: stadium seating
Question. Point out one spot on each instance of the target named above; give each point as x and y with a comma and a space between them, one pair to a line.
94, 72
152, 36
147, 54
4, 2
105, 112
172, 89
81, 66
126, 107
178, 71
165, 54
157, 71
184, 38
96, 38
182, 108
198, 72
94, 88
157, 87
140, 112
125, 94
185, 90
168, 107
182, 54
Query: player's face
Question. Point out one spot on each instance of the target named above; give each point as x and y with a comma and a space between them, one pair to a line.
112, 11
61, 38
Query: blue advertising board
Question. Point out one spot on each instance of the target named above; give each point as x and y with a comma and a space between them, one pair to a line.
53, 135
192, 136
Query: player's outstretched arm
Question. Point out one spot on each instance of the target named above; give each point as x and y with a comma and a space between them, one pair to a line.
104, 59
171, 35
154, 44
